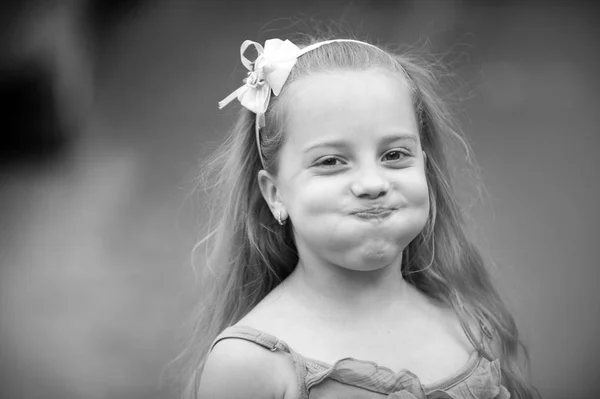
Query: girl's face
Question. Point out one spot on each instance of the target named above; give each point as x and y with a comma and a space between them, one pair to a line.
351, 171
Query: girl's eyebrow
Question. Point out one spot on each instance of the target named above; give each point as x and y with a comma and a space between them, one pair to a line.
399, 137
328, 144
386, 140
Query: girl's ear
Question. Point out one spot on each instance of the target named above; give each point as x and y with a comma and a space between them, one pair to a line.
270, 192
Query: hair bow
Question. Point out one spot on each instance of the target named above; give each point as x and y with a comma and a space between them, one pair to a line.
267, 73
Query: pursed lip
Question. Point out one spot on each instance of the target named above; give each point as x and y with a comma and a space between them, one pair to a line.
373, 212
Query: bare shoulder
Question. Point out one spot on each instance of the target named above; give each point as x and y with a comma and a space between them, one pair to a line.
480, 333
450, 324
236, 368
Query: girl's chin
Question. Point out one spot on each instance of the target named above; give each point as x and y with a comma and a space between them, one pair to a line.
375, 256
367, 264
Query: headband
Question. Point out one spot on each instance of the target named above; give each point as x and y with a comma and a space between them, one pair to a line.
268, 73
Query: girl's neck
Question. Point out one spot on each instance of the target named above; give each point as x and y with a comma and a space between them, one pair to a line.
335, 291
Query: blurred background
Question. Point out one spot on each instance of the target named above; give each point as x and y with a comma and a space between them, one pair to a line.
107, 107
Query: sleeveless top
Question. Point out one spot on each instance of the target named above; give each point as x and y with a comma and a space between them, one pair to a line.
351, 378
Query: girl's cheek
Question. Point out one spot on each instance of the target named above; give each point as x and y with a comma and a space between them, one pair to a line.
414, 188
421, 194
319, 197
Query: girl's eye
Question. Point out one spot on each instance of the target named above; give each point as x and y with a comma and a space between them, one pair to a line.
329, 162
394, 155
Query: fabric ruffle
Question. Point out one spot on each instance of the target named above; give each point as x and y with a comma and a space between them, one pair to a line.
479, 379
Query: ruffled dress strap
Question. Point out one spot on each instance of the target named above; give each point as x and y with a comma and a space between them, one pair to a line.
487, 340
249, 334
271, 343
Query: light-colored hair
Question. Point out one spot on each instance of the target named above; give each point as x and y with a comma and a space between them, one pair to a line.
247, 253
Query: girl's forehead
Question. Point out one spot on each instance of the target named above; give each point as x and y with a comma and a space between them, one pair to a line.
348, 104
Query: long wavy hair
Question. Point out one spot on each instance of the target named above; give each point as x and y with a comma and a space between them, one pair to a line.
246, 253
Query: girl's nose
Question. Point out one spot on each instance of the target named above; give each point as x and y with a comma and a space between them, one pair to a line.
371, 184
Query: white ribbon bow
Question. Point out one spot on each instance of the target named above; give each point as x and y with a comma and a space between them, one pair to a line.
267, 73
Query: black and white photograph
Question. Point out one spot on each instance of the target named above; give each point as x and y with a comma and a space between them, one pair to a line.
299, 199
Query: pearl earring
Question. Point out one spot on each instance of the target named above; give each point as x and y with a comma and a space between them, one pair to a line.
279, 220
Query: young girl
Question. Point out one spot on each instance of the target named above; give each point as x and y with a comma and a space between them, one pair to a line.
338, 265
